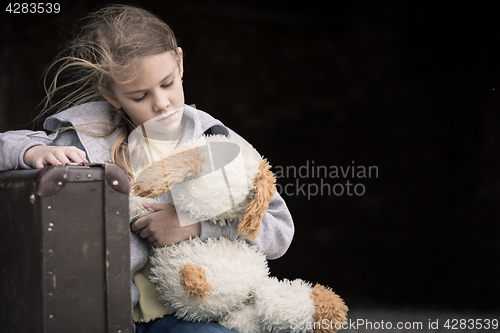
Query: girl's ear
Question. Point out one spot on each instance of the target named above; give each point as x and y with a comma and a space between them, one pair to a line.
181, 67
109, 97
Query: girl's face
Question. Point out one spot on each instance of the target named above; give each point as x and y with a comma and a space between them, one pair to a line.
155, 98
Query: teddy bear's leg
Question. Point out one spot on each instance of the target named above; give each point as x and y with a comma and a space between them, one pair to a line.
207, 280
295, 306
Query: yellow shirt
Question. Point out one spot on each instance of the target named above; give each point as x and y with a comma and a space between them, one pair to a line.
149, 307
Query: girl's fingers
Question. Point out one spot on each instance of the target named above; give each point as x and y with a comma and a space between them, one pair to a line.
52, 160
40, 156
61, 156
75, 157
39, 164
70, 154
157, 206
139, 224
145, 233
135, 226
83, 156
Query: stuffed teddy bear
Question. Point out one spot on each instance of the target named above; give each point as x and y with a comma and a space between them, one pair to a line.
221, 180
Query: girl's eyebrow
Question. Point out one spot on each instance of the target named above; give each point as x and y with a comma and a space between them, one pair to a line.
140, 90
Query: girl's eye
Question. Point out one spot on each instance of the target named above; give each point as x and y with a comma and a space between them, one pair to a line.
144, 96
168, 84
140, 98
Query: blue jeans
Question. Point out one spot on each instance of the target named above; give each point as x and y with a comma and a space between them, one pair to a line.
171, 324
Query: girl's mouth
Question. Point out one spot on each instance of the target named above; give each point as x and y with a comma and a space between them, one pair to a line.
167, 119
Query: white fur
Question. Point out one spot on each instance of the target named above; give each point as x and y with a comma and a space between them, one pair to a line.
136, 209
243, 320
273, 299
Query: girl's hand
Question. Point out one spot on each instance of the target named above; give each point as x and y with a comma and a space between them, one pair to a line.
162, 227
40, 156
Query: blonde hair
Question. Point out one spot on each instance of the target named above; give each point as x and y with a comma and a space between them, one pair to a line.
108, 42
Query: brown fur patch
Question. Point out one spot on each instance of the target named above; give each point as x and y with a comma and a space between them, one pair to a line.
329, 306
159, 177
264, 188
194, 281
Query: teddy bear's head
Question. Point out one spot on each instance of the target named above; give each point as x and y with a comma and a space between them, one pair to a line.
213, 178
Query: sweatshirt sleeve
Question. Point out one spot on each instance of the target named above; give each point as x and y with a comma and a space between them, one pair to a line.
276, 232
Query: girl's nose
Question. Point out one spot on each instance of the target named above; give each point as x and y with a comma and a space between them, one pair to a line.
161, 103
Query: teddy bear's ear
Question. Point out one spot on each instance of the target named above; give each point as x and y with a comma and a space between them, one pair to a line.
264, 188
160, 176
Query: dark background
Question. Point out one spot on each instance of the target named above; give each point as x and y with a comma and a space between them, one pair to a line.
410, 87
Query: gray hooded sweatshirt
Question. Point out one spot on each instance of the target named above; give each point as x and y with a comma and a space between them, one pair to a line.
277, 226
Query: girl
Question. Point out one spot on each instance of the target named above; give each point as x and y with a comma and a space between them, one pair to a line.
126, 71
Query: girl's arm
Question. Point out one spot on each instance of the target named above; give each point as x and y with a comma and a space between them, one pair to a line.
15, 144
277, 229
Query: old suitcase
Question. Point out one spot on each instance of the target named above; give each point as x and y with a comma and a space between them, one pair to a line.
64, 247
